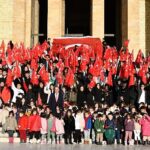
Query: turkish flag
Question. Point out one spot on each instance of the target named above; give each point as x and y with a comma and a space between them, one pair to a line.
92, 83
17, 71
5, 95
131, 81
140, 57
34, 78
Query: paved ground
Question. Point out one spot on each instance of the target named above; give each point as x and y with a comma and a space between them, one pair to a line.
5, 146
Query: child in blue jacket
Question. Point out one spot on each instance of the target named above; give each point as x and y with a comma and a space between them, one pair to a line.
87, 128
110, 129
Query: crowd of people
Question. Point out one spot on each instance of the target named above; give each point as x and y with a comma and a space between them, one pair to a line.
78, 94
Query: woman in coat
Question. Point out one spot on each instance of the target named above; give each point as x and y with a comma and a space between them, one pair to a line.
97, 93
145, 124
69, 126
11, 126
81, 97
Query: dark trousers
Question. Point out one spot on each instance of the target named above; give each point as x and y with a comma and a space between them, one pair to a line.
68, 136
23, 135
35, 134
117, 135
10, 133
77, 136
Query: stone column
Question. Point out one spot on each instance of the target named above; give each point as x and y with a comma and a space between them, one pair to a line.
124, 20
6, 20
15, 21
36, 21
28, 23
19, 19
147, 22
98, 18
55, 18
136, 25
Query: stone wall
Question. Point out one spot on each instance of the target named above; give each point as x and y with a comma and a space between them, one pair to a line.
16, 25
15, 20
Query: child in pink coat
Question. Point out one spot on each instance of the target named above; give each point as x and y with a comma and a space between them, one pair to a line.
59, 122
44, 128
145, 125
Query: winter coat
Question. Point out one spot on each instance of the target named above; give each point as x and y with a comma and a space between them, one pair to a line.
50, 123
145, 124
88, 123
89, 98
11, 123
129, 125
81, 97
23, 123
59, 126
119, 123
34, 123
110, 124
44, 125
43, 96
53, 103
97, 94
137, 126
99, 126
69, 124
48, 92
3, 115
79, 122
73, 96
28, 96
17, 92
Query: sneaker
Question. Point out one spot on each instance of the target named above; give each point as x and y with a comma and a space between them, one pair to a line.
53, 142
131, 142
31, 141
49, 142
38, 141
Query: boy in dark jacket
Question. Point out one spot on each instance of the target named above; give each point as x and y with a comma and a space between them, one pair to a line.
119, 127
87, 128
110, 129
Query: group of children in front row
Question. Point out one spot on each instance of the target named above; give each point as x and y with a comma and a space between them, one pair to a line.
80, 126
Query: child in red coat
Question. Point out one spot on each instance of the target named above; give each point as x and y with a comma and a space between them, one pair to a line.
34, 126
22, 127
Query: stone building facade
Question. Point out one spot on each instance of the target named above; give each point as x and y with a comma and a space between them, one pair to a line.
19, 20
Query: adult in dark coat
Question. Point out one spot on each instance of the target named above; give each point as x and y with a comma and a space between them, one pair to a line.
30, 95
81, 97
97, 93
69, 126
133, 95
56, 99
89, 98
108, 96
147, 89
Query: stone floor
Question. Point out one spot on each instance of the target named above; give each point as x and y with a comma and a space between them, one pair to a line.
5, 146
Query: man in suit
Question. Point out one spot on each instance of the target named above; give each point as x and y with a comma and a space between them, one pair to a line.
56, 99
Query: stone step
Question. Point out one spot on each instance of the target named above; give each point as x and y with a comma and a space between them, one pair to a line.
6, 135
6, 140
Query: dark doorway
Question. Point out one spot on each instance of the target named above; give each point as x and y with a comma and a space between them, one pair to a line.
78, 17
113, 23
43, 10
